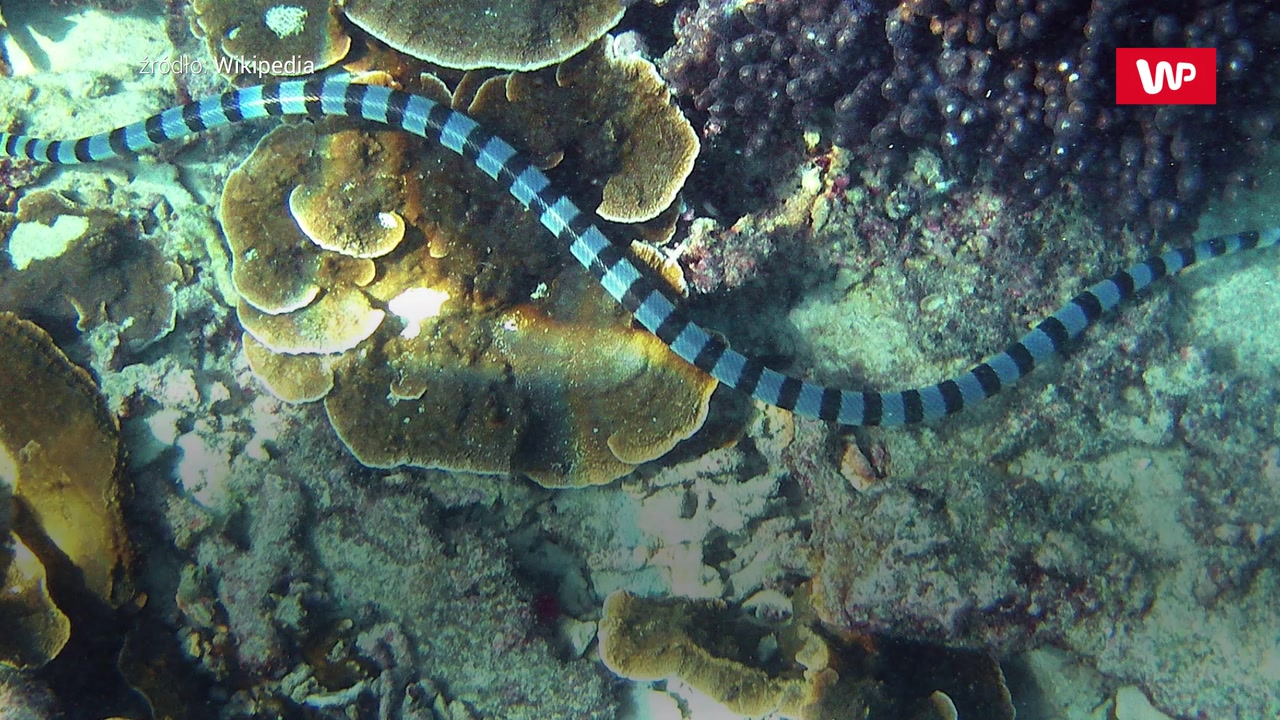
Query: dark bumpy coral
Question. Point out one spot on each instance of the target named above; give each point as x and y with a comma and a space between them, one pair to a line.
760, 66
1022, 88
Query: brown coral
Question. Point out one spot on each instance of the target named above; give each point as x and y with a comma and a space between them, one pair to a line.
292, 378
296, 37
636, 138
337, 321
402, 287
567, 403
805, 674
64, 461
468, 35
334, 222
274, 272
59, 447
653, 639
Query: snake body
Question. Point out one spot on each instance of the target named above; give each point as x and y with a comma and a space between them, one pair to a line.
611, 266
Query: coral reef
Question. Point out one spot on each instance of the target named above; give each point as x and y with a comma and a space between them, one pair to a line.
1098, 555
1022, 89
1120, 506
1042, 519
230, 477
470, 35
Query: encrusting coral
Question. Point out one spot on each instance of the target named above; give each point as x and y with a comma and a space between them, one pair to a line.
59, 447
383, 275
277, 268
656, 639
292, 378
469, 35
65, 462
336, 222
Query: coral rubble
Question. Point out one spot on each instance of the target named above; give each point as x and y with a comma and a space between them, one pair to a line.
456, 594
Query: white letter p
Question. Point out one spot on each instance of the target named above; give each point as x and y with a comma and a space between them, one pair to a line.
1186, 73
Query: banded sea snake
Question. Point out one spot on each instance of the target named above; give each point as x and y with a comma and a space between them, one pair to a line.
338, 96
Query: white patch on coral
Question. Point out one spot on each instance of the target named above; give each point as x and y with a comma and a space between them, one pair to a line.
285, 20
203, 468
699, 705
164, 425
31, 241
645, 703
268, 422
415, 305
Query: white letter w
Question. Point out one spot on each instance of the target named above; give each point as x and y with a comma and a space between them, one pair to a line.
1186, 72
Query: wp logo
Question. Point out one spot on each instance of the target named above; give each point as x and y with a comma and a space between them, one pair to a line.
1154, 84
1166, 76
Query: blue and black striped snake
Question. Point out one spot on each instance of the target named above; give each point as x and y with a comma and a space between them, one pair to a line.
610, 265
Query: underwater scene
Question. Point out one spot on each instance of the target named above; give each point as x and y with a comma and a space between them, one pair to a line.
643, 360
